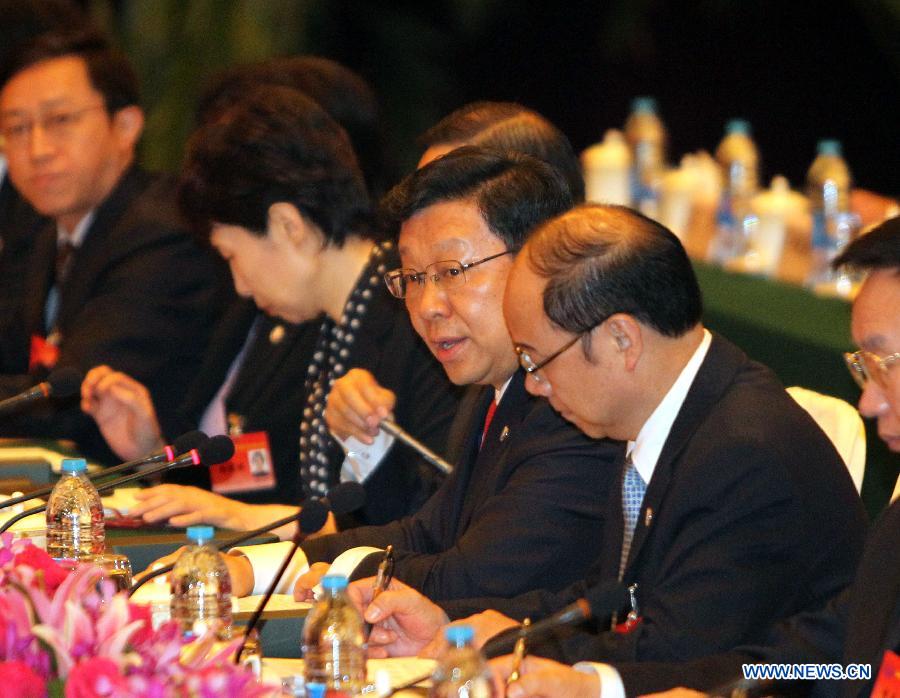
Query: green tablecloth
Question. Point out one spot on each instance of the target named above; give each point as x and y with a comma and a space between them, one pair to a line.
802, 337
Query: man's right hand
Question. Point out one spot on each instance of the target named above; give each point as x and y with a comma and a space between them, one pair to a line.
123, 410
356, 406
403, 620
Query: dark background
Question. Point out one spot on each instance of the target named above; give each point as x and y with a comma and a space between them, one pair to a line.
799, 71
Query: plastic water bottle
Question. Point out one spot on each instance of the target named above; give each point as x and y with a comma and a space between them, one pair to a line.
461, 671
334, 651
607, 170
828, 189
201, 587
646, 136
739, 160
74, 515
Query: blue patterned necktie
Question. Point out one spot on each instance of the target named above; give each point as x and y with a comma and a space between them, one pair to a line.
633, 488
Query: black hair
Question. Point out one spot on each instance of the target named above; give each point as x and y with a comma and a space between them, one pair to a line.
275, 145
513, 192
342, 93
24, 20
877, 249
602, 259
109, 70
510, 126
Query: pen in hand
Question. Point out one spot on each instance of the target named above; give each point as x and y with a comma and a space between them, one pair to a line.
518, 653
382, 578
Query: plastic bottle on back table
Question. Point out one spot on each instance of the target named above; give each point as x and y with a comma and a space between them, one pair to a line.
834, 226
75, 529
739, 160
646, 136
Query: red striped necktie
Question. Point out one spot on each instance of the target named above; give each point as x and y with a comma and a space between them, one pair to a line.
492, 408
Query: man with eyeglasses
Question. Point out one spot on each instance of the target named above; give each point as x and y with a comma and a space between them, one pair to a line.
115, 278
526, 497
732, 509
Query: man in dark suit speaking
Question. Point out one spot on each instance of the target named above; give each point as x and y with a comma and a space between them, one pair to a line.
115, 278
733, 509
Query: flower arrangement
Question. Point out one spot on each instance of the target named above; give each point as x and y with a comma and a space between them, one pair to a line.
68, 634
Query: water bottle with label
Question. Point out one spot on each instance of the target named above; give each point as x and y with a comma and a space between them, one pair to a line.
739, 160
646, 135
607, 170
834, 226
461, 671
201, 587
74, 515
334, 651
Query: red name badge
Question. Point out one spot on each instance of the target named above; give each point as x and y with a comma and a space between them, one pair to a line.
43, 354
887, 685
249, 469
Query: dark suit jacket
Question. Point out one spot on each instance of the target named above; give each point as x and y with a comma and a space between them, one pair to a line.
19, 223
269, 393
514, 516
140, 296
754, 518
856, 627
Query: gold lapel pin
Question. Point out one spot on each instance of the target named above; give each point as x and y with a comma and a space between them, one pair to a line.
276, 334
504, 435
648, 517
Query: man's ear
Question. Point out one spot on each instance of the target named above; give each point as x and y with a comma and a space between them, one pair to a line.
626, 333
128, 124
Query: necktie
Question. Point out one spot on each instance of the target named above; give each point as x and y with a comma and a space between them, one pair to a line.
487, 421
633, 488
64, 251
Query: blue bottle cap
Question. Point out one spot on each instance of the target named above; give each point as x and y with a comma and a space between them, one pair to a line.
644, 105
74, 465
334, 582
829, 147
200, 534
315, 690
739, 126
459, 634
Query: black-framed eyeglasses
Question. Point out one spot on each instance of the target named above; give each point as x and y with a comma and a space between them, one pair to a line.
865, 366
531, 367
449, 273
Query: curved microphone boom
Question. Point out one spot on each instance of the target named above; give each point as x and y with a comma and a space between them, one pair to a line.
180, 446
216, 450
61, 383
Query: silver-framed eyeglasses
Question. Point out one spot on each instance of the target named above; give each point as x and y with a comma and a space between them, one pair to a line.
865, 366
532, 367
57, 125
448, 273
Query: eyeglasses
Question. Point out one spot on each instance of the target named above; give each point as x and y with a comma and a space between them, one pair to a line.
58, 125
449, 273
865, 366
532, 368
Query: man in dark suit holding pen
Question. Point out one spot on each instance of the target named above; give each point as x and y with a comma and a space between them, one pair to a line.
733, 509
115, 278
527, 493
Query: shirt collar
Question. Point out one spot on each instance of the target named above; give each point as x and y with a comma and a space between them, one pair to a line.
76, 237
498, 394
652, 437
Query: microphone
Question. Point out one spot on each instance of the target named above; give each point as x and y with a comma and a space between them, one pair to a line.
342, 499
180, 446
218, 449
63, 382
423, 450
600, 600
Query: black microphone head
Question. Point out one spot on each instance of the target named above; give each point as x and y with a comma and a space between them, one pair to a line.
187, 441
216, 450
347, 497
313, 516
65, 381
